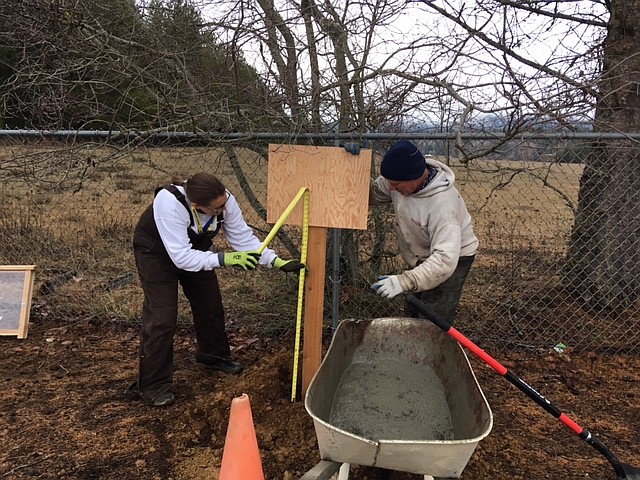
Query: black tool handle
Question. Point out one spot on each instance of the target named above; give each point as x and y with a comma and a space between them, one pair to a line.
592, 440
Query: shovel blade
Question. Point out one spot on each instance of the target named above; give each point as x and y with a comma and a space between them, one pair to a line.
630, 473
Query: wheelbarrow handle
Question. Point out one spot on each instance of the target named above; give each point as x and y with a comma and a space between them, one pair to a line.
622, 471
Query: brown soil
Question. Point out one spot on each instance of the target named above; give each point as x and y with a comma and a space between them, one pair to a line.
64, 415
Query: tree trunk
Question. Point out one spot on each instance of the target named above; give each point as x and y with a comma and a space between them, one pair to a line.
603, 266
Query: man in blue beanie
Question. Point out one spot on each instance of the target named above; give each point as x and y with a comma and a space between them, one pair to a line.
433, 226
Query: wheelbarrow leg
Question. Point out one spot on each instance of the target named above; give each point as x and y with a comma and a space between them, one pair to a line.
343, 474
326, 470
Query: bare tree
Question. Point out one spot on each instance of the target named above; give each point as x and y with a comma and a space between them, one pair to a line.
537, 66
334, 69
589, 74
586, 74
604, 260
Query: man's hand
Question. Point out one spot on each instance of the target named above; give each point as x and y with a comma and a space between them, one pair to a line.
244, 260
388, 286
352, 147
288, 265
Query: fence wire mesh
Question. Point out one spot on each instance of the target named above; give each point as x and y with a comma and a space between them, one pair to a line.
70, 205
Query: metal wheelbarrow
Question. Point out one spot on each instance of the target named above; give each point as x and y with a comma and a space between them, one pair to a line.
395, 393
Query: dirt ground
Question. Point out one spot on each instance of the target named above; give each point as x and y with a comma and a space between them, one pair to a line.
64, 416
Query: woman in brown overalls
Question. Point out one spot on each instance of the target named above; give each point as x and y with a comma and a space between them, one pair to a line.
171, 245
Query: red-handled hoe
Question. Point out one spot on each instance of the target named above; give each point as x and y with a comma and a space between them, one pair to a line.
622, 470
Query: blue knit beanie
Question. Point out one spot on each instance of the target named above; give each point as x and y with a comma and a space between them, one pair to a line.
402, 162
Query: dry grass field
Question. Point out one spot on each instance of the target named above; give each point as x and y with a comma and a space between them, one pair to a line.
74, 210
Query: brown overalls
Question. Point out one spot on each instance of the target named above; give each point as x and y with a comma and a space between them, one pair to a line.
159, 277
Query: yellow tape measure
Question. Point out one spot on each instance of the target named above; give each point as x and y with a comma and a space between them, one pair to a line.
303, 258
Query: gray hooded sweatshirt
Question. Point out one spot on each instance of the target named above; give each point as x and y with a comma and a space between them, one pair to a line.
433, 228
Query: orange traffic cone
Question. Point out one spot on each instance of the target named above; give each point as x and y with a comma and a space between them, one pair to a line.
241, 457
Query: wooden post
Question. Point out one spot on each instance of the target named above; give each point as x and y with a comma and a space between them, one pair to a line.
313, 305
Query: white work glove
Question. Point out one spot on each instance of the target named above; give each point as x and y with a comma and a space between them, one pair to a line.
387, 286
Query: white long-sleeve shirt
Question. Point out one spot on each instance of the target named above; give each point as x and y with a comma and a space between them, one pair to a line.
173, 220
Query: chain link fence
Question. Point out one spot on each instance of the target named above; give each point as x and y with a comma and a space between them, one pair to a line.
71, 201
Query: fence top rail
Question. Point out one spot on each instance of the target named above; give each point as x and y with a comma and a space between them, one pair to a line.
132, 135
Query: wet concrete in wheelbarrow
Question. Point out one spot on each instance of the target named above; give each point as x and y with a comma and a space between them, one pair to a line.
392, 400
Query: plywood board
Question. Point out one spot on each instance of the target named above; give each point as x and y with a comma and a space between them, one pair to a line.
16, 288
337, 180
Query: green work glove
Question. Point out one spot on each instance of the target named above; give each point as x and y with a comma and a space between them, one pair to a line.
244, 260
288, 265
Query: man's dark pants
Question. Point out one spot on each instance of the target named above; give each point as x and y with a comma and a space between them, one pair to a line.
444, 299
